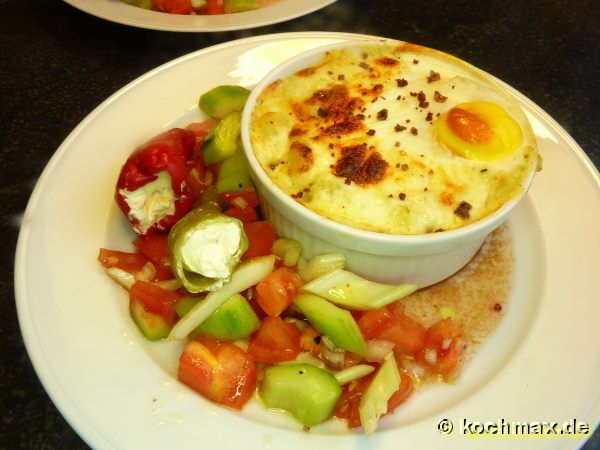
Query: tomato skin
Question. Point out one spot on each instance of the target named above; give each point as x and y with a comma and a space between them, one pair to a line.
156, 300
129, 262
261, 237
275, 341
174, 6
220, 371
249, 197
242, 214
277, 290
402, 394
448, 360
156, 248
214, 7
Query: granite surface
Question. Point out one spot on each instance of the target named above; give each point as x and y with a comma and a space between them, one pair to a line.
58, 63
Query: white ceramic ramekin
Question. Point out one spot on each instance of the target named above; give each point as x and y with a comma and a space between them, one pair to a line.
420, 259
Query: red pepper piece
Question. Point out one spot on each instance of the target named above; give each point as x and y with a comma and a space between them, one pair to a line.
169, 152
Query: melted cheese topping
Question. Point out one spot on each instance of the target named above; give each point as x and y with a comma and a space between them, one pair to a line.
356, 138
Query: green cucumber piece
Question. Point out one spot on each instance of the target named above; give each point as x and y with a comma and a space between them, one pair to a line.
224, 141
374, 401
234, 174
151, 325
223, 100
335, 323
288, 251
235, 319
305, 391
233, 6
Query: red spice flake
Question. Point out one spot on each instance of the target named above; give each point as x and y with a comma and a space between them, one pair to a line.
382, 115
360, 116
414, 131
390, 196
330, 145
371, 132
404, 167
329, 72
433, 76
296, 132
304, 153
387, 61
397, 144
358, 166
322, 113
463, 209
345, 127
272, 166
402, 196
298, 195
415, 61
365, 56
377, 88
437, 97
429, 116
497, 307
401, 82
423, 103
398, 128
341, 77
365, 66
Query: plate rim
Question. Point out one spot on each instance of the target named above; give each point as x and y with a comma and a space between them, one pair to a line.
39, 358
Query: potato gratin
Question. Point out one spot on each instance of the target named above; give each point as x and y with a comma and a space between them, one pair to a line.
397, 139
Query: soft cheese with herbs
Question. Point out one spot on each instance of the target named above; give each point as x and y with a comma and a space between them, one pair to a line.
397, 139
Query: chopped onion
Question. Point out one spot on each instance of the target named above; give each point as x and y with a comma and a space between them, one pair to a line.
446, 343
239, 202
414, 368
378, 349
431, 356
147, 273
350, 374
333, 357
320, 265
125, 279
301, 324
306, 358
169, 285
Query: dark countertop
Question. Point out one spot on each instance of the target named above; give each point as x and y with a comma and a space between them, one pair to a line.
58, 64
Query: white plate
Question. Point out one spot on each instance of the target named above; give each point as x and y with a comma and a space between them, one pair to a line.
117, 391
120, 12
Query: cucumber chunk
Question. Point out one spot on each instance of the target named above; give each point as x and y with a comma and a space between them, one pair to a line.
335, 323
288, 250
234, 174
224, 140
223, 100
233, 6
151, 325
305, 391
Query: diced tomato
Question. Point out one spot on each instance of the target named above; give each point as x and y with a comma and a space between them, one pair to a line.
242, 214
349, 403
277, 290
174, 6
407, 334
214, 7
443, 337
156, 300
201, 129
220, 371
129, 262
250, 295
275, 341
310, 341
156, 248
260, 239
374, 322
249, 197
400, 396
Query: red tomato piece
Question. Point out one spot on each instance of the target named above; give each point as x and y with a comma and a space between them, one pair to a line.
214, 7
220, 371
443, 337
129, 262
275, 341
260, 239
249, 197
156, 248
174, 6
407, 334
400, 396
277, 290
156, 300
201, 129
371, 323
242, 214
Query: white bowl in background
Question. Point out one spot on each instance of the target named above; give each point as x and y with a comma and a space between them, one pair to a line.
389, 258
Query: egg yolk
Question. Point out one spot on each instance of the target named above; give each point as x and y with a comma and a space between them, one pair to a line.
479, 130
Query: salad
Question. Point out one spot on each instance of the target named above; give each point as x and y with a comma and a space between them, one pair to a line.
199, 6
312, 338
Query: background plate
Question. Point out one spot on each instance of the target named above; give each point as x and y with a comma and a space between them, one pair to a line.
119, 12
117, 391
